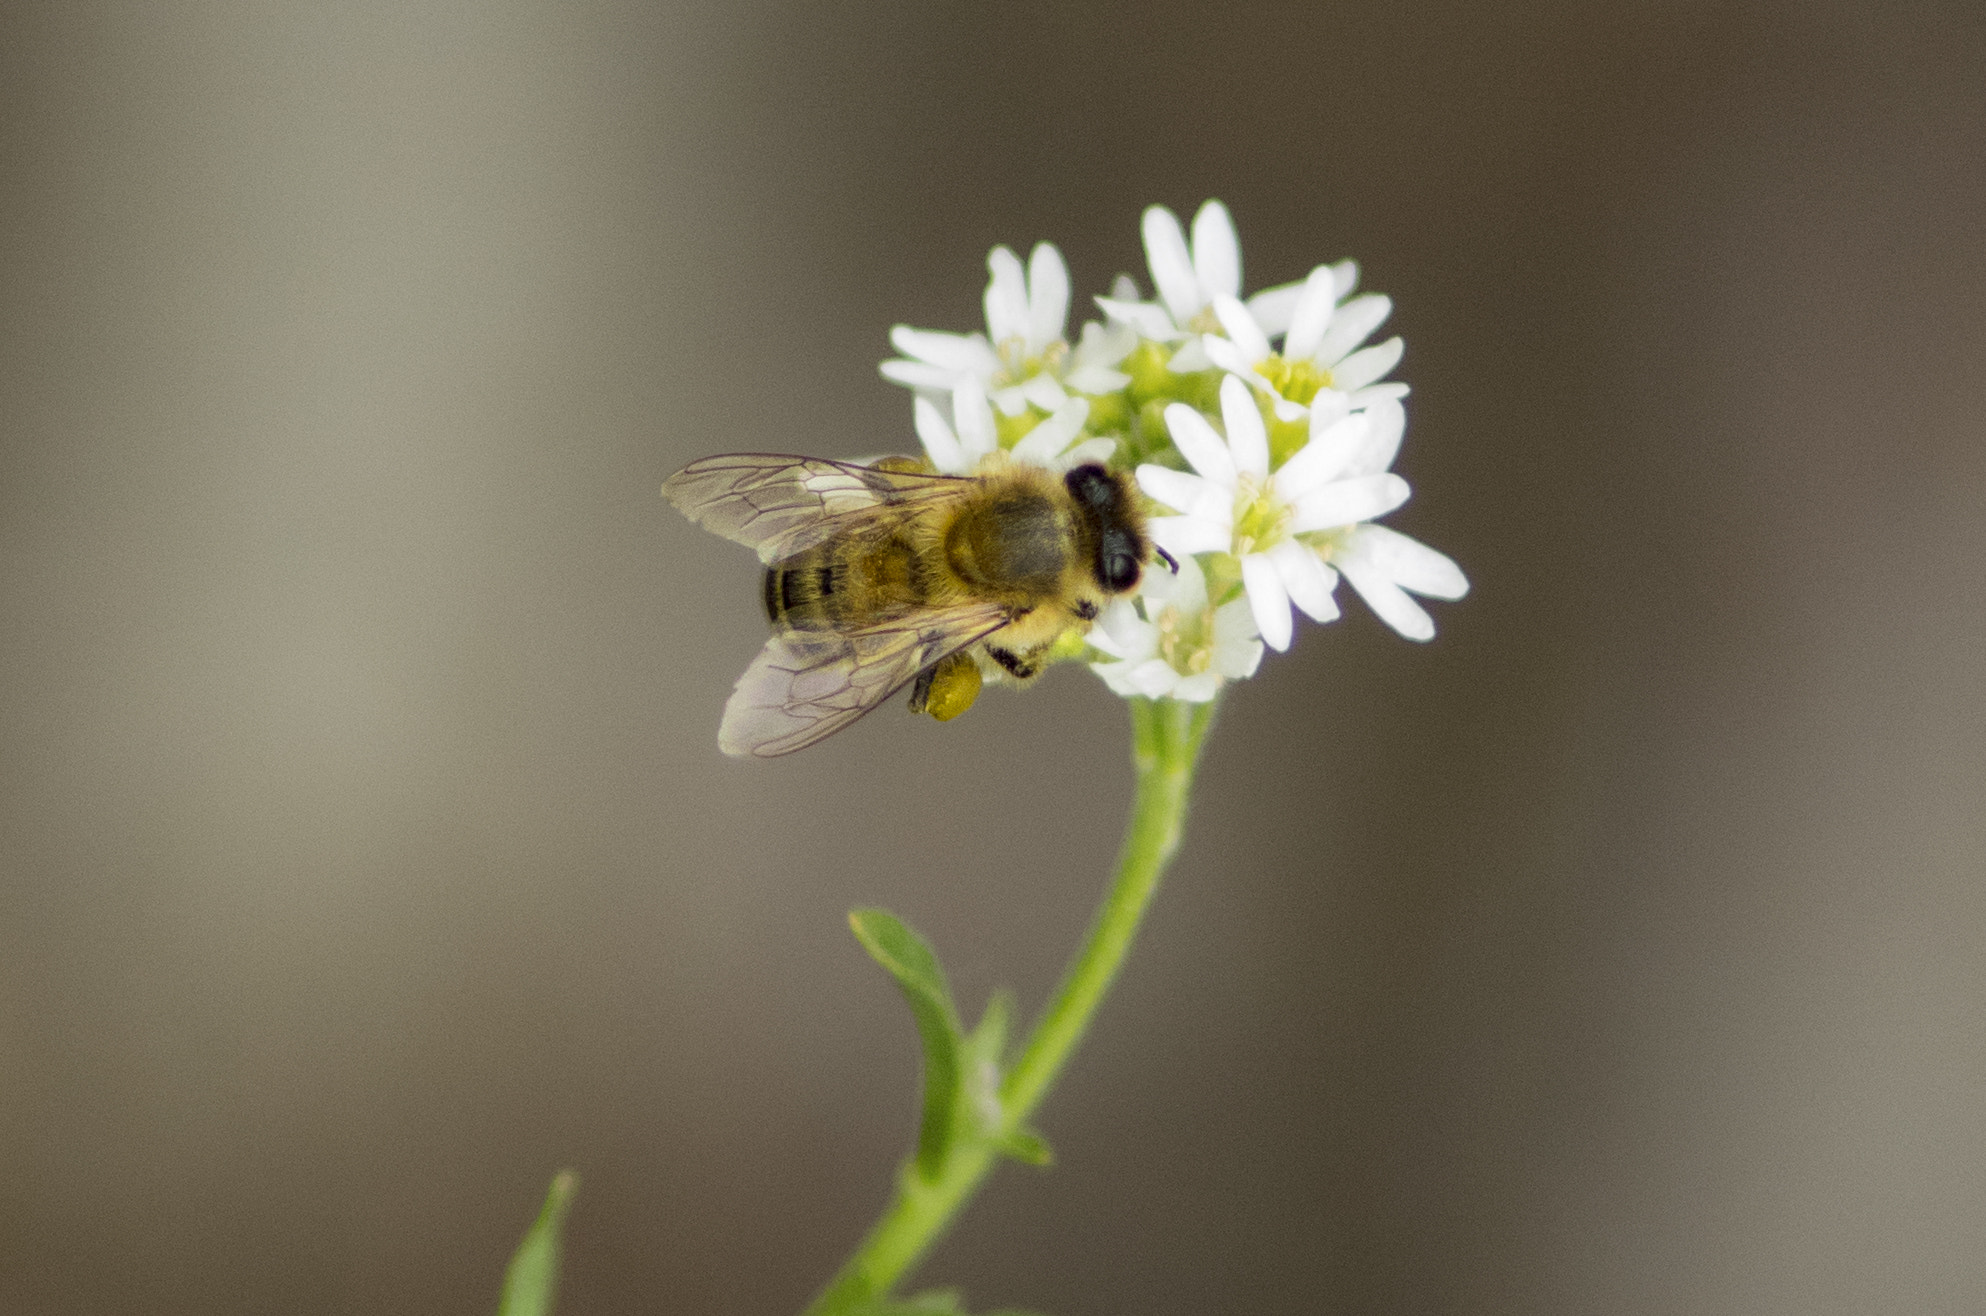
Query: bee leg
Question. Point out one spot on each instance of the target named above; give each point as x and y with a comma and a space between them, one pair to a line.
1019, 667
946, 688
920, 689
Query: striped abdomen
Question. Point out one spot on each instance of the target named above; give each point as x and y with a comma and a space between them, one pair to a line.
845, 584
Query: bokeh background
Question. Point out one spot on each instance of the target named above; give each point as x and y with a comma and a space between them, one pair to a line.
367, 855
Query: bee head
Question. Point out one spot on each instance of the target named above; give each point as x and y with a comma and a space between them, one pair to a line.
1116, 526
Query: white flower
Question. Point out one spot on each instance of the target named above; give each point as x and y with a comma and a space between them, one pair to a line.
1179, 648
960, 445
1022, 360
1321, 363
1189, 278
1233, 504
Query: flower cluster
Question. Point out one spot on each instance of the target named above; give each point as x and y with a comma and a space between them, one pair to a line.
1266, 463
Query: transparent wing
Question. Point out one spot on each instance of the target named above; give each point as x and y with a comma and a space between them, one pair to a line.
780, 504
806, 685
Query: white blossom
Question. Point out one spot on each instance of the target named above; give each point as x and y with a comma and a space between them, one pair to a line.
1189, 278
1023, 359
1322, 363
1232, 503
1178, 647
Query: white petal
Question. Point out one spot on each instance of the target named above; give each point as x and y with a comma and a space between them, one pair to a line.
1352, 325
1006, 296
1186, 591
1410, 563
973, 420
1171, 265
1191, 494
1113, 675
940, 444
1273, 307
1362, 368
1391, 391
1104, 345
1216, 251
1090, 452
1197, 689
1121, 632
1287, 410
1308, 581
1387, 599
1183, 536
1043, 391
1267, 599
1346, 272
1237, 650
1097, 379
1229, 356
965, 353
1011, 400
1047, 296
1347, 502
1237, 661
1247, 437
1382, 440
1327, 456
1199, 445
1313, 314
1153, 678
919, 374
1124, 288
1147, 318
1241, 327
1190, 358
1327, 408
1044, 443
1233, 621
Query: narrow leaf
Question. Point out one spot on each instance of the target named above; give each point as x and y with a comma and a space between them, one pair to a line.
531, 1281
1028, 1146
911, 962
989, 1038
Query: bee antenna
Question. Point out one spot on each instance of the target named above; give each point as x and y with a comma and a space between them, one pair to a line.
1169, 559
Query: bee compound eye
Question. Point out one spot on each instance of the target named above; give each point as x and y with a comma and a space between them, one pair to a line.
1120, 572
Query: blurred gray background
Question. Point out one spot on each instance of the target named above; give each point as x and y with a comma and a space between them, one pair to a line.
367, 854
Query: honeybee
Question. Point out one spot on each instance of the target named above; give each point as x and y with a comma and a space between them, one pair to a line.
885, 576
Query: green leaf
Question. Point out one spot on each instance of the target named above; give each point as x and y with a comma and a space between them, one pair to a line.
989, 1038
532, 1279
1026, 1145
911, 962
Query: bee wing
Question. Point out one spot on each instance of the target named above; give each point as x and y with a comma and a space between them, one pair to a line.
807, 685
780, 505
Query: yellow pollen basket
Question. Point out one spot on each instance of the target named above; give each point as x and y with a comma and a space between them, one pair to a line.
1299, 381
954, 687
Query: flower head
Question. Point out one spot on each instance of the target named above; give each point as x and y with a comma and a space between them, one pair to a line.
1263, 430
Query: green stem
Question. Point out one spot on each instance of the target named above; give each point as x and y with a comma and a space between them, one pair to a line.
1165, 746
